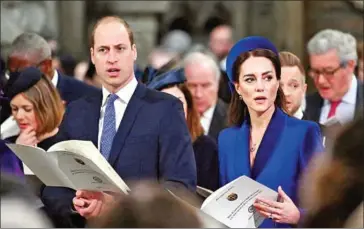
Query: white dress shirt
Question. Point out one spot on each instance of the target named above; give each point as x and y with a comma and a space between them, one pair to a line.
346, 110
206, 119
124, 96
299, 113
55, 78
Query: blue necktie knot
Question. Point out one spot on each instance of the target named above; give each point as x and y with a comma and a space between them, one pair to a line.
109, 126
111, 98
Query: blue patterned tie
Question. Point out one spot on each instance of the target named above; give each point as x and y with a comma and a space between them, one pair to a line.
109, 127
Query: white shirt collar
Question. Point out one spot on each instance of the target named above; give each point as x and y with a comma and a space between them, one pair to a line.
223, 64
299, 113
350, 96
209, 112
124, 93
55, 78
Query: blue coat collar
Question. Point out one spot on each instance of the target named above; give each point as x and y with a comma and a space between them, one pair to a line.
267, 146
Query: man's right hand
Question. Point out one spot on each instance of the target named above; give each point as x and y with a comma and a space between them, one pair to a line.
90, 204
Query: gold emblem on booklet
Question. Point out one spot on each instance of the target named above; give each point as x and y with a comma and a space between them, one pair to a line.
97, 179
232, 197
79, 161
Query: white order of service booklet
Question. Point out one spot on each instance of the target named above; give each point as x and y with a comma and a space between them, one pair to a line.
232, 204
74, 164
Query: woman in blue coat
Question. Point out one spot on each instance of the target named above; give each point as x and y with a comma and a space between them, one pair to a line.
265, 143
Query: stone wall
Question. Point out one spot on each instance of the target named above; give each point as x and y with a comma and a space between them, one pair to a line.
340, 15
19, 16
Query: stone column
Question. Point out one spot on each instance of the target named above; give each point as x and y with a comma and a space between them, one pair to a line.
72, 28
145, 28
239, 19
290, 26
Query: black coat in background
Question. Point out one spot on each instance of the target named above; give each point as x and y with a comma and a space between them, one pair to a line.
207, 162
219, 119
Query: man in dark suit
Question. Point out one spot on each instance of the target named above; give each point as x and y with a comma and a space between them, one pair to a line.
30, 49
142, 132
333, 58
339, 96
203, 77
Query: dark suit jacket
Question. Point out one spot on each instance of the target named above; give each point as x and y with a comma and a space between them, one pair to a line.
69, 89
224, 88
72, 89
207, 162
219, 119
152, 142
314, 103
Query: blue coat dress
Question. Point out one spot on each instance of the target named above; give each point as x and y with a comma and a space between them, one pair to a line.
285, 150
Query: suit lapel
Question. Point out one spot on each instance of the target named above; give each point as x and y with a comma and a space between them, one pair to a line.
92, 117
218, 120
60, 84
314, 106
268, 144
127, 122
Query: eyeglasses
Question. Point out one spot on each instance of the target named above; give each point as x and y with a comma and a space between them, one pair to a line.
328, 74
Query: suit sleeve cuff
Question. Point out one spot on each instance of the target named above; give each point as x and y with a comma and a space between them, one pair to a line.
302, 216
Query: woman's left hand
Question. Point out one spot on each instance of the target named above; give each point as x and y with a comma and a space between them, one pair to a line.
280, 212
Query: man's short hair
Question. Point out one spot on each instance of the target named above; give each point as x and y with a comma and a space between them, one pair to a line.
289, 59
110, 19
328, 39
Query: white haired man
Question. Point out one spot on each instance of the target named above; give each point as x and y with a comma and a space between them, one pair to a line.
333, 57
203, 76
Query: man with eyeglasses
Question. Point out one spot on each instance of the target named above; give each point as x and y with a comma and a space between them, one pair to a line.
339, 96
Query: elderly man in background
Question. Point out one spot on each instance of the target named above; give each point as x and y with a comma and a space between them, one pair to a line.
203, 75
339, 96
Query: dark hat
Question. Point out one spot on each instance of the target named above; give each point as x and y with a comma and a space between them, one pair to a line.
246, 45
172, 77
21, 81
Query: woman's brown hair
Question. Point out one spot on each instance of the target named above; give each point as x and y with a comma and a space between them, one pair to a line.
48, 105
238, 110
193, 118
